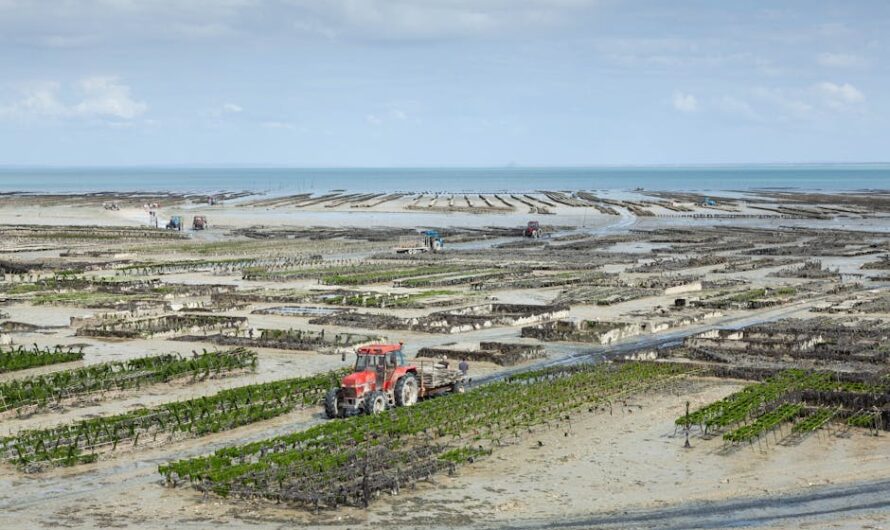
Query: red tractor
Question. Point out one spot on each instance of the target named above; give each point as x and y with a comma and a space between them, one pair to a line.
533, 229
382, 379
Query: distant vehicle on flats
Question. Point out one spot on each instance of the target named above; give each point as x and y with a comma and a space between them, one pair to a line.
427, 241
175, 223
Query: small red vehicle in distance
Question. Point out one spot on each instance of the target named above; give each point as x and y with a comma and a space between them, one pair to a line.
533, 229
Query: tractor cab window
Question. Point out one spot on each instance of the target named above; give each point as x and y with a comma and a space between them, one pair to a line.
365, 362
361, 362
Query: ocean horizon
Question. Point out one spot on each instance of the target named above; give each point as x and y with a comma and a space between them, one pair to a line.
816, 177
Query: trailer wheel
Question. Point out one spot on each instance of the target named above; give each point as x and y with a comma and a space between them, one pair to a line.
375, 402
458, 387
406, 391
332, 403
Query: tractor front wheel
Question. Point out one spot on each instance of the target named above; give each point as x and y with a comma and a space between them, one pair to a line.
332, 404
406, 391
375, 402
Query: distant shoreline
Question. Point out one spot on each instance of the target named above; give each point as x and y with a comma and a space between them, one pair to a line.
148, 193
72, 180
726, 165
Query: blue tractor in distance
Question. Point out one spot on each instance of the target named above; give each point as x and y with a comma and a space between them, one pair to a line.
175, 223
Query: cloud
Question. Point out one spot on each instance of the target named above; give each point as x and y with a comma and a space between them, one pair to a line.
841, 96
734, 106
59, 24
432, 19
840, 60
784, 104
669, 51
685, 102
359, 20
394, 112
203, 31
675, 52
278, 125
820, 102
217, 114
38, 99
68, 41
103, 97
809, 102
107, 97
194, 7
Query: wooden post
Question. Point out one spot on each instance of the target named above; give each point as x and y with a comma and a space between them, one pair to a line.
687, 445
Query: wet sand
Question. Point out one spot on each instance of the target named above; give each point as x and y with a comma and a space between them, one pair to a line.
601, 464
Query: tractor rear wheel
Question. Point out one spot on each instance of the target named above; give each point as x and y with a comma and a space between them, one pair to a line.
375, 402
332, 403
406, 391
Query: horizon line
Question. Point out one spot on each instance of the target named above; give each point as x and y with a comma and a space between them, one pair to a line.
443, 167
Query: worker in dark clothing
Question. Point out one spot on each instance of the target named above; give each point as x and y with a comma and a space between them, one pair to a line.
464, 366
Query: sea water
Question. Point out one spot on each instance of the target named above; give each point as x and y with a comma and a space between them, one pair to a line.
825, 177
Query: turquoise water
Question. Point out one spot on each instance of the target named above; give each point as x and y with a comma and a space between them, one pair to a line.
809, 177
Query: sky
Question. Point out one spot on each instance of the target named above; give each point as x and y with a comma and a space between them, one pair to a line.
443, 82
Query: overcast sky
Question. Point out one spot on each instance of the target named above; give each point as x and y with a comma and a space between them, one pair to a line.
442, 82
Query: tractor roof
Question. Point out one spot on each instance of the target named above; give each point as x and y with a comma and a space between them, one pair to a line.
379, 349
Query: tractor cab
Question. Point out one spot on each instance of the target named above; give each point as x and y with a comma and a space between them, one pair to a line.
382, 359
370, 357
433, 241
